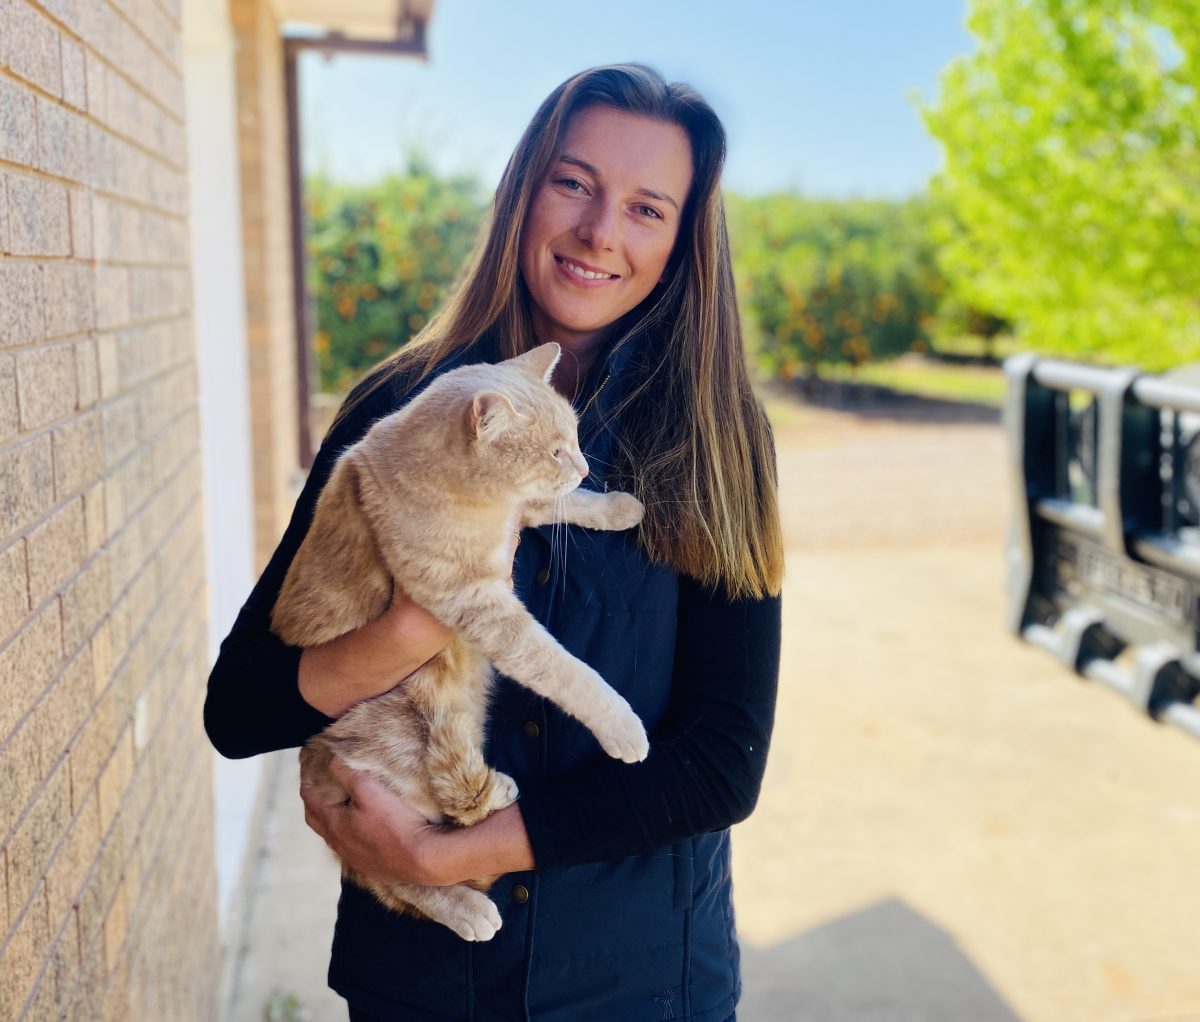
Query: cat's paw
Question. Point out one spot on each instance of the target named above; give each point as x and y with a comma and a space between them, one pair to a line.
469, 913
503, 792
621, 733
623, 511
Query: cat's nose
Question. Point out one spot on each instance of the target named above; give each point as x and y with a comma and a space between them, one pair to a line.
583, 468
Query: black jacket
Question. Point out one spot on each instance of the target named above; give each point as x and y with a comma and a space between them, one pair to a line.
628, 917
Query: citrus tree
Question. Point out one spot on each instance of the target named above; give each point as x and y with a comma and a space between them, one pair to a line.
1073, 170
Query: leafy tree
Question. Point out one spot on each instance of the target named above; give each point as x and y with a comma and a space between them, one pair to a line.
381, 258
826, 282
1073, 169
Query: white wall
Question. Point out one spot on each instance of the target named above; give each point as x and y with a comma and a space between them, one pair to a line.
224, 391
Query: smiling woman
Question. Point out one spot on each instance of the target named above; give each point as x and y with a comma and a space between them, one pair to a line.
607, 235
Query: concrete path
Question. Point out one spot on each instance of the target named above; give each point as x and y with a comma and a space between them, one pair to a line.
952, 828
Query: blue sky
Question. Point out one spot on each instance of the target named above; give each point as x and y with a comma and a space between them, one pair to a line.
815, 96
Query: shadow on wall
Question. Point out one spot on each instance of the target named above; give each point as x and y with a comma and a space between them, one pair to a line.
885, 962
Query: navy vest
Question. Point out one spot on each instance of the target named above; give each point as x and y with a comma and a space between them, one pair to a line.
639, 939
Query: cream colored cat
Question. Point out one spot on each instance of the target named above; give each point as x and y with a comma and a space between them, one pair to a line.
422, 502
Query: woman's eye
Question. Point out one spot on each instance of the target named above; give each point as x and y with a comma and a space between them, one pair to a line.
649, 211
571, 184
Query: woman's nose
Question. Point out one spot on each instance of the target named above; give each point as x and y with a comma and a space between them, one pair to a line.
598, 225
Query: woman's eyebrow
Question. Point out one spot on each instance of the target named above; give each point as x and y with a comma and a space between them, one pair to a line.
649, 192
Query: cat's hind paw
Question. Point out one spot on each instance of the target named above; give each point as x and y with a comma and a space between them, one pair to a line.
623, 511
503, 792
469, 913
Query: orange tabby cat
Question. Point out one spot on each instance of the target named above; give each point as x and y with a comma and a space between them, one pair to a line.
422, 502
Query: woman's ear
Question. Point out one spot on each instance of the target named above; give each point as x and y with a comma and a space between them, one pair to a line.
338, 580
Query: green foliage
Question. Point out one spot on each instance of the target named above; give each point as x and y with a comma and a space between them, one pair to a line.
825, 282
1073, 170
381, 258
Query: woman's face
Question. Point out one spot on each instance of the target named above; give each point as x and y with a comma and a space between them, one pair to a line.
603, 222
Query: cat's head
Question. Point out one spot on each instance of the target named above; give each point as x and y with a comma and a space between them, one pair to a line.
522, 432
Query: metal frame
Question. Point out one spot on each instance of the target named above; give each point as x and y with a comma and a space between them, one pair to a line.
410, 42
1127, 521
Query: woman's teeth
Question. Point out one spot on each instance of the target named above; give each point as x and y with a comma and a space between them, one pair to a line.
579, 271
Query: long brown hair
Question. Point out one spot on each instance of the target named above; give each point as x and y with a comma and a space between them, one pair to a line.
695, 445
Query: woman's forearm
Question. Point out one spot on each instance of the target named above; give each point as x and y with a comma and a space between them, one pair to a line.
495, 845
371, 659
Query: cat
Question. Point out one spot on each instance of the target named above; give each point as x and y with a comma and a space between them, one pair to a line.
422, 502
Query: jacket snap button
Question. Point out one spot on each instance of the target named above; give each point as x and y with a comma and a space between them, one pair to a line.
531, 729
520, 894
543, 576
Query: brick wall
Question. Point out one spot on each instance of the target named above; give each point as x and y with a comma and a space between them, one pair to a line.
270, 319
106, 874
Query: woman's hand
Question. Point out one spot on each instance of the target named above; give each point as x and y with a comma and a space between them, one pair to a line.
380, 835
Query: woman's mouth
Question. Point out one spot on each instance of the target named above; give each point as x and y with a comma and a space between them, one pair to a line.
581, 271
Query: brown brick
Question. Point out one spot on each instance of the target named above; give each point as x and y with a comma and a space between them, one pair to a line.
73, 74
112, 297
49, 1003
87, 372
27, 664
62, 141
21, 959
107, 365
68, 298
102, 657
114, 778
3, 214
55, 550
36, 835
78, 454
9, 419
95, 531
81, 223
46, 384
84, 603
121, 431
14, 590
18, 123
26, 483
20, 773
65, 707
39, 219
29, 46
67, 872
115, 927
90, 751
20, 300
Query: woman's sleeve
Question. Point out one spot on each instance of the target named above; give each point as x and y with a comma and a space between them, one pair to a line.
707, 757
253, 703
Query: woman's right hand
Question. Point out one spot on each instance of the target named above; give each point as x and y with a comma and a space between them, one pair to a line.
372, 659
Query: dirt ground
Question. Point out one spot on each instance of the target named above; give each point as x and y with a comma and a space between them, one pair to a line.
952, 827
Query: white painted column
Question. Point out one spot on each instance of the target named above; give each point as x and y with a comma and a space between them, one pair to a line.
216, 227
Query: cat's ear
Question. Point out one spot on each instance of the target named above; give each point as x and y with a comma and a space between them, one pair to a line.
338, 579
540, 362
490, 414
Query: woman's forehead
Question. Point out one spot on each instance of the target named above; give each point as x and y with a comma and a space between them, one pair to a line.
630, 151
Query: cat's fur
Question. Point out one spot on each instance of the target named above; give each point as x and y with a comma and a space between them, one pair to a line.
422, 502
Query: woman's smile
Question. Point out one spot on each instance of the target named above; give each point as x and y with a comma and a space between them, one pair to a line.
583, 273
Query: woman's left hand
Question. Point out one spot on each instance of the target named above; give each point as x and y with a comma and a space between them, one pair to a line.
375, 832
380, 835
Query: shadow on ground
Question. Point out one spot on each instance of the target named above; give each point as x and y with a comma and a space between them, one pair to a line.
885, 963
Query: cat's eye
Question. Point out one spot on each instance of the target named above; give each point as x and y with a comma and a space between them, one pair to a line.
557, 453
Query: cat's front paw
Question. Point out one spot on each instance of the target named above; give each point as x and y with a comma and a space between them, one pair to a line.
623, 511
621, 734
469, 913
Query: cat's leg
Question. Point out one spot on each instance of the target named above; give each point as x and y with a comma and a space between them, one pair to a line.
497, 624
465, 787
611, 512
468, 912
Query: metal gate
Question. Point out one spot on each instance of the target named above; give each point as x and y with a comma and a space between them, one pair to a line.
1104, 544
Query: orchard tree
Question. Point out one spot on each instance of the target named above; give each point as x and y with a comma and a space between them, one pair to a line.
1072, 146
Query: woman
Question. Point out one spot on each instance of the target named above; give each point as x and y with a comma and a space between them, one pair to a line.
607, 236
